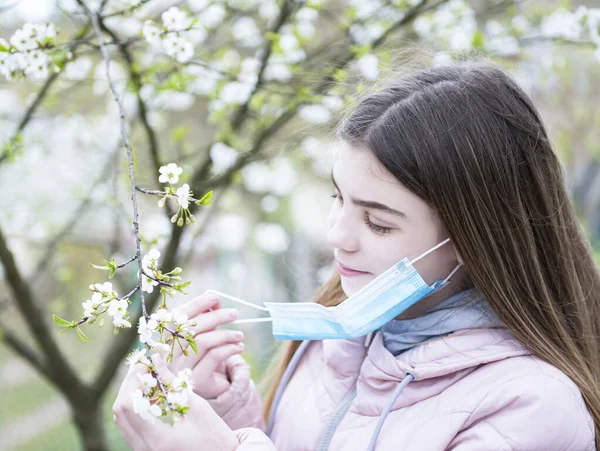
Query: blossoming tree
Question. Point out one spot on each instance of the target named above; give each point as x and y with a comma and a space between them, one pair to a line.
260, 67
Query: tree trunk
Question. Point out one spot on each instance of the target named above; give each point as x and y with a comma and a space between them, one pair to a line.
90, 425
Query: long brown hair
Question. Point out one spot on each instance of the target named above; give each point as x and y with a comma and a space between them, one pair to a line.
468, 140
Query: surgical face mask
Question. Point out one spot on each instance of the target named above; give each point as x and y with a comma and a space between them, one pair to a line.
377, 303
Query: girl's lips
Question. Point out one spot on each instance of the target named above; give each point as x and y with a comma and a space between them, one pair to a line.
347, 272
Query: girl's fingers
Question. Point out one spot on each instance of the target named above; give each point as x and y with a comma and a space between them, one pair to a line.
208, 340
210, 320
123, 409
215, 356
200, 304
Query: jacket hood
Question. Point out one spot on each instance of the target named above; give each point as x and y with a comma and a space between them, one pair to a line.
435, 365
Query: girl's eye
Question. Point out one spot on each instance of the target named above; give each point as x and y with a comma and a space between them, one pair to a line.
376, 228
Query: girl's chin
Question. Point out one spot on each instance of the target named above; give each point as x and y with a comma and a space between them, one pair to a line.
351, 285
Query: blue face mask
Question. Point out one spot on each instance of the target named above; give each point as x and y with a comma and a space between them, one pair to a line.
377, 303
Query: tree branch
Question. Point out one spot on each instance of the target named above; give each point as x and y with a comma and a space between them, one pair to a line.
42, 94
24, 350
240, 114
60, 370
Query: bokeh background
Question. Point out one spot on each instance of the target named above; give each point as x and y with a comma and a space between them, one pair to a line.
65, 191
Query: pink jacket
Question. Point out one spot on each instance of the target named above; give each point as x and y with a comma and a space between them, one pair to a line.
473, 390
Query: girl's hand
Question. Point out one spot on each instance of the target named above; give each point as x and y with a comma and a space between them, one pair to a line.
215, 346
201, 430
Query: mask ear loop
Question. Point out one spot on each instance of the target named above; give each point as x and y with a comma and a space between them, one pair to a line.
249, 304
437, 246
445, 281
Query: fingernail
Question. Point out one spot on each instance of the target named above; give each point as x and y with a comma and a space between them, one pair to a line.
240, 345
239, 334
233, 313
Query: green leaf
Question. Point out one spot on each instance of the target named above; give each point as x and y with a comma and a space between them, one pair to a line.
104, 268
180, 286
193, 345
82, 335
478, 40
61, 322
179, 133
111, 272
206, 199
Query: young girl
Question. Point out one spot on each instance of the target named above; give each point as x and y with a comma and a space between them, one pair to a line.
452, 169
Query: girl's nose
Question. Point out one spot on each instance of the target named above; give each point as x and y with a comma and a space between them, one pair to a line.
342, 237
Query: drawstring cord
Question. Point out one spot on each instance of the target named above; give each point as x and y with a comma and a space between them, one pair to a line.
407, 379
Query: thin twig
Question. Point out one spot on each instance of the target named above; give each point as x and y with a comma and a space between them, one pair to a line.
105, 56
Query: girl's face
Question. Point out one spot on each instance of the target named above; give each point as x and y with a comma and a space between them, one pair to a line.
375, 222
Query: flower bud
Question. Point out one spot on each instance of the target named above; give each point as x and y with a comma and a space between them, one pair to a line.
174, 217
192, 218
161, 202
188, 222
177, 270
180, 222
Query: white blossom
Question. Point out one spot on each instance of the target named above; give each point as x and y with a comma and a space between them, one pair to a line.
23, 40
162, 316
182, 320
277, 69
228, 62
198, 5
148, 284
148, 382
183, 195
120, 322
150, 260
138, 356
37, 72
307, 14
174, 19
205, 81
292, 52
246, 32
235, 92
146, 329
90, 307
142, 406
78, 69
183, 381
178, 399
317, 114
333, 102
249, 70
368, 65
212, 16
179, 48
222, 156
169, 173
117, 307
268, 9
562, 24
151, 33
158, 345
